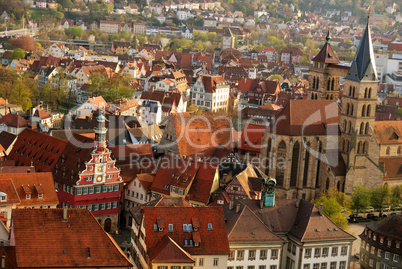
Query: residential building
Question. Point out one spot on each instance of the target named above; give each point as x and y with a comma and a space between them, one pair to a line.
26, 190
13, 123
381, 244
57, 50
298, 234
291, 55
91, 105
77, 240
228, 39
110, 27
210, 93
83, 75
136, 193
179, 236
139, 28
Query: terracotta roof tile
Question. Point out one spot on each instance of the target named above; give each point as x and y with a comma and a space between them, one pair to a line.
33, 183
14, 120
42, 237
168, 251
251, 137
388, 132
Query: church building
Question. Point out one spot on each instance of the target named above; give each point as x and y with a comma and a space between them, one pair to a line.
316, 144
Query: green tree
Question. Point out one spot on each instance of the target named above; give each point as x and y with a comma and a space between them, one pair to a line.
276, 77
74, 32
21, 94
380, 197
398, 112
68, 4
360, 198
17, 54
333, 203
396, 195
59, 15
97, 84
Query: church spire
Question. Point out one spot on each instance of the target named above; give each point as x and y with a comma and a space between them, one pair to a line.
328, 37
363, 66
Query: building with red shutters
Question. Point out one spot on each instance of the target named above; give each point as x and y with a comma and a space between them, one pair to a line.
86, 177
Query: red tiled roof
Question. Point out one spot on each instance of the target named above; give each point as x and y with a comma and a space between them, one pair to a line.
213, 241
35, 183
319, 117
392, 167
388, 132
7, 187
168, 251
14, 120
43, 238
38, 149
251, 137
326, 55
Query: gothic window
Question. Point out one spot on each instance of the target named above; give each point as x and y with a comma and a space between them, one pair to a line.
369, 93
364, 110
333, 84
314, 83
280, 163
354, 90
306, 164
317, 175
365, 147
295, 164
269, 146
327, 184
365, 92
367, 128
361, 128
318, 83
350, 90
359, 148
328, 84
352, 109
347, 109
368, 110
350, 127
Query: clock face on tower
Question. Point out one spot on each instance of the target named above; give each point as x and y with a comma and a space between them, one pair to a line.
99, 178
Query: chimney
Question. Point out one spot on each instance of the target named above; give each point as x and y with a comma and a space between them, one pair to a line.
88, 253
238, 208
320, 208
231, 203
65, 214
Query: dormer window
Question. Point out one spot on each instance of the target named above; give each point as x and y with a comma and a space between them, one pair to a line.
210, 226
40, 195
3, 197
28, 196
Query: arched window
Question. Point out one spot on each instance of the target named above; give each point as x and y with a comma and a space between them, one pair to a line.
364, 110
365, 92
399, 150
269, 146
350, 127
318, 83
367, 128
295, 164
347, 109
388, 151
350, 90
333, 84
352, 109
359, 148
327, 184
314, 83
306, 164
361, 128
354, 91
329, 84
368, 110
317, 172
365, 147
280, 163
369, 93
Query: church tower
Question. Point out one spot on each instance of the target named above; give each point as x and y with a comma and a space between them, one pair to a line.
228, 39
325, 73
357, 144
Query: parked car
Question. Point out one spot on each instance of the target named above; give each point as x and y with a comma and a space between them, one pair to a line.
354, 218
369, 209
382, 215
371, 216
395, 213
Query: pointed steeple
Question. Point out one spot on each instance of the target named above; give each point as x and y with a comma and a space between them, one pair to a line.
363, 66
326, 54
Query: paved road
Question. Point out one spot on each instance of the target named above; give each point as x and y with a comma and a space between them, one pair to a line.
26, 31
356, 229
